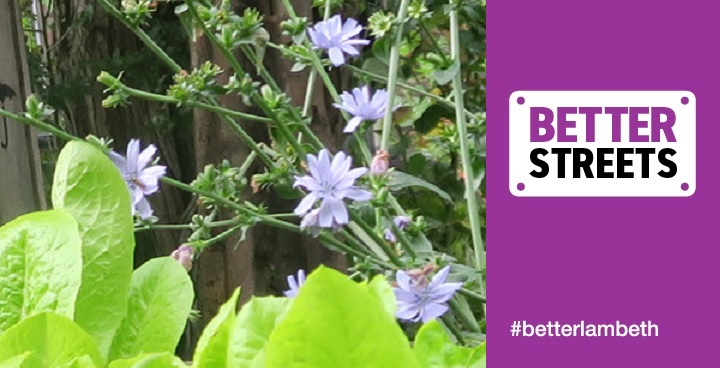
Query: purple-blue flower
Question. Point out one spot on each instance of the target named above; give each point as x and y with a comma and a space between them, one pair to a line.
140, 179
362, 106
294, 284
337, 38
402, 222
329, 183
390, 236
418, 300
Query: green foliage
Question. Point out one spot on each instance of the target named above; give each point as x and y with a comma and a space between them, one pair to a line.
88, 185
212, 348
40, 266
335, 322
251, 331
435, 350
155, 360
53, 340
159, 303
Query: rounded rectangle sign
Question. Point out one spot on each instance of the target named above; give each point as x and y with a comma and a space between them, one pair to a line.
602, 143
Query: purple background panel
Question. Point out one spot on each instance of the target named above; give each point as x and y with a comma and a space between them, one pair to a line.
604, 259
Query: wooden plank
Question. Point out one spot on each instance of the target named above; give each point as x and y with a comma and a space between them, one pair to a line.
21, 188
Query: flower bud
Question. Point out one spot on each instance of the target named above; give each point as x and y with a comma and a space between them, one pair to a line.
184, 255
380, 163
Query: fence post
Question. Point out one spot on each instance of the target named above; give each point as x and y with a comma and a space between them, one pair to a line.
21, 188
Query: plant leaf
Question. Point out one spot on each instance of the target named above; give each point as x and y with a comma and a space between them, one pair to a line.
380, 288
54, 341
335, 322
155, 360
89, 186
40, 266
160, 301
399, 180
212, 348
434, 349
251, 331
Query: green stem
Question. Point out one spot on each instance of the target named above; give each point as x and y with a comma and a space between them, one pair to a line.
40, 125
472, 295
307, 105
473, 209
157, 50
269, 220
451, 326
392, 76
195, 104
239, 70
377, 239
464, 316
408, 87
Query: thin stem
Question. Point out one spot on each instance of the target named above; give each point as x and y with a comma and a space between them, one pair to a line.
377, 239
216, 109
307, 105
470, 197
40, 125
269, 220
408, 87
462, 314
451, 326
392, 76
235, 64
157, 50
472, 295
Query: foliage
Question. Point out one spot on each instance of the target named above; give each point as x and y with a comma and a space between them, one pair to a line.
68, 275
417, 153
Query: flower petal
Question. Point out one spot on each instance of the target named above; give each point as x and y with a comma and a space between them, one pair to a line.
143, 208
432, 310
352, 124
119, 161
326, 214
133, 151
305, 205
410, 311
339, 211
336, 56
146, 156
403, 280
358, 195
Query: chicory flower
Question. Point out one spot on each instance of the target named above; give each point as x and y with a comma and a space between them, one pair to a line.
418, 300
141, 179
329, 183
295, 284
362, 106
337, 38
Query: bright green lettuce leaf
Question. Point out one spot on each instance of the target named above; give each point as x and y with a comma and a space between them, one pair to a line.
40, 266
335, 322
54, 341
251, 331
380, 287
17, 361
155, 360
161, 296
84, 361
212, 347
90, 187
434, 349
